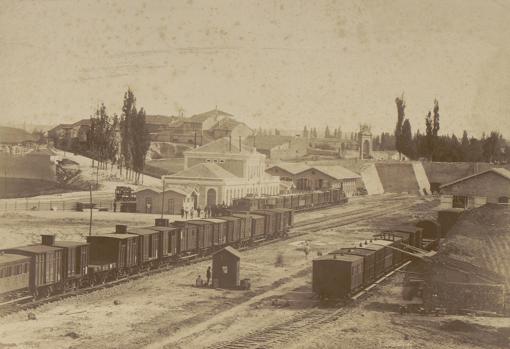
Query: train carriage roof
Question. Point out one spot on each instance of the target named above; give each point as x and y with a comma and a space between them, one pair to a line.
214, 220
8, 258
339, 257
355, 251
37, 249
230, 218
160, 228
141, 231
114, 236
70, 243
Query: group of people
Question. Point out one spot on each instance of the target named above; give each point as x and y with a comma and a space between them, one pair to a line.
200, 282
207, 212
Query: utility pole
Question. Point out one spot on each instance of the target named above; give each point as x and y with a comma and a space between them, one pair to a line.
163, 197
90, 222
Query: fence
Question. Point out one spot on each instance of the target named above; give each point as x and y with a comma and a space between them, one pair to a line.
51, 205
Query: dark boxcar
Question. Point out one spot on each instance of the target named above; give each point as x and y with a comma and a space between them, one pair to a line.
337, 276
187, 236
45, 265
204, 233
245, 225
258, 226
368, 261
270, 228
148, 244
415, 238
14, 272
75, 259
287, 218
380, 254
113, 251
233, 228
168, 237
388, 253
219, 231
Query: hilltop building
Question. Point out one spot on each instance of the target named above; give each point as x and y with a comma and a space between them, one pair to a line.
279, 148
222, 170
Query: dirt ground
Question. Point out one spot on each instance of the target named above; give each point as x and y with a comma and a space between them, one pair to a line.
165, 310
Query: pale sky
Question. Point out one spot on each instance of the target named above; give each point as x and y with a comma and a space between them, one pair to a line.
270, 63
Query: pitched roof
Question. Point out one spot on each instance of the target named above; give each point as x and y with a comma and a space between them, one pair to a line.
204, 170
10, 258
204, 116
82, 122
230, 250
227, 124
292, 167
14, 135
222, 145
336, 172
497, 170
271, 141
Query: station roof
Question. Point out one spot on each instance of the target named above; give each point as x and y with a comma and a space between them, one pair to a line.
6, 258
204, 170
292, 167
337, 172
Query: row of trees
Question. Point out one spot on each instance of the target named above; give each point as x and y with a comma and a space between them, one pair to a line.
432, 146
123, 141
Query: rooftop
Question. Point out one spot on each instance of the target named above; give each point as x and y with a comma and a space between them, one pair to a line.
503, 172
14, 135
11, 258
159, 119
35, 249
204, 170
337, 172
115, 236
292, 167
230, 250
227, 124
211, 113
180, 189
222, 145
270, 141
70, 243
141, 231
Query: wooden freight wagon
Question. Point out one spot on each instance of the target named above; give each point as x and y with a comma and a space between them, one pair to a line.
45, 267
368, 261
168, 238
219, 231
380, 254
233, 228
75, 261
204, 233
258, 226
187, 236
14, 272
270, 227
388, 252
245, 225
116, 252
148, 244
337, 276
287, 218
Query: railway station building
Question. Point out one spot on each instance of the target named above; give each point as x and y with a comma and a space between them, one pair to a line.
175, 198
224, 170
490, 186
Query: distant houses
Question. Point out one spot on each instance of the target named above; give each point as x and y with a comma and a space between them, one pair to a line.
278, 148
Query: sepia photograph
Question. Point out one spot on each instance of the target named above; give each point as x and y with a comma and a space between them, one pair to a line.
265, 174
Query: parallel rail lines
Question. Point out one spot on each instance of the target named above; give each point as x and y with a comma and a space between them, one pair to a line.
306, 227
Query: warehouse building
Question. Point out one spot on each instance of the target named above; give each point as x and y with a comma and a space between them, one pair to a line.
278, 148
490, 186
175, 198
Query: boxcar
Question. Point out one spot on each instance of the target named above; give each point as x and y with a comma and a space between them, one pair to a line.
415, 233
45, 266
75, 261
380, 255
187, 236
245, 225
113, 252
270, 228
258, 226
368, 261
148, 244
204, 233
168, 246
337, 276
219, 231
14, 272
233, 228
388, 253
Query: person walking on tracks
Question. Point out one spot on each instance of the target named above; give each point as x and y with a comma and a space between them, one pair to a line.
307, 249
208, 276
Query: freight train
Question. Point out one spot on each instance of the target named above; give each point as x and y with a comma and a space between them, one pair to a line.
58, 266
344, 272
296, 201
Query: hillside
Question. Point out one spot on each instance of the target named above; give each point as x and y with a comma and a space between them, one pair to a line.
14, 135
481, 237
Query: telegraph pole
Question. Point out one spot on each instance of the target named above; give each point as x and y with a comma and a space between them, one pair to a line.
163, 197
90, 222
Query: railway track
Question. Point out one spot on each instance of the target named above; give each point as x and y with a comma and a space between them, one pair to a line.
305, 227
299, 324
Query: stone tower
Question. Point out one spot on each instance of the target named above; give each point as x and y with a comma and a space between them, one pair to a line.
365, 142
